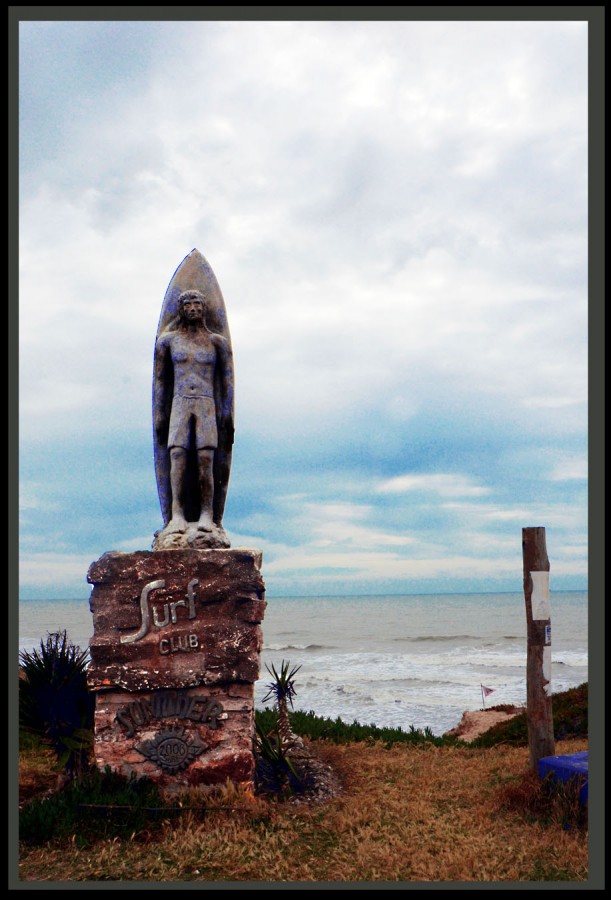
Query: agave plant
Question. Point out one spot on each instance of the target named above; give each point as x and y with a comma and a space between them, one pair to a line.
275, 772
54, 701
282, 690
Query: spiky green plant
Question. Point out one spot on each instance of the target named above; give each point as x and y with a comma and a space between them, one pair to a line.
282, 690
275, 772
54, 700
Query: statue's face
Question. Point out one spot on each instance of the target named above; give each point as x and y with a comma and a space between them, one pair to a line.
193, 310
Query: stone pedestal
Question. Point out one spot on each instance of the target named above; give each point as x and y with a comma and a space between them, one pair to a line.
174, 658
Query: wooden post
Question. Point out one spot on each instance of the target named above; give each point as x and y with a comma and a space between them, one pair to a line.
539, 646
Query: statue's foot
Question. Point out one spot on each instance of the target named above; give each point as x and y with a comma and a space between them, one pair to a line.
176, 525
205, 523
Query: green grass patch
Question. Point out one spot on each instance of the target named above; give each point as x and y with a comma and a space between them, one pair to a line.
319, 728
96, 805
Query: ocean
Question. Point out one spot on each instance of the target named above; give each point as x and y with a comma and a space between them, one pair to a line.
401, 660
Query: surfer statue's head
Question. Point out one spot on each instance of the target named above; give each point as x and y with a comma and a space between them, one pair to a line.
188, 304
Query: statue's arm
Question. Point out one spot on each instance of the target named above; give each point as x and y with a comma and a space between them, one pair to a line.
161, 368
225, 363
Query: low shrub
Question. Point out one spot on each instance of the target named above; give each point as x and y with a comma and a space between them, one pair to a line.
96, 805
55, 702
275, 772
308, 724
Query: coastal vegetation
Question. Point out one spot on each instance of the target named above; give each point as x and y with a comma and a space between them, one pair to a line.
411, 807
54, 700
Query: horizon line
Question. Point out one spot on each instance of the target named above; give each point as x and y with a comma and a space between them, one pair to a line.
326, 596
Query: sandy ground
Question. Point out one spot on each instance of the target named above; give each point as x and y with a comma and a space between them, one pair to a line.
476, 722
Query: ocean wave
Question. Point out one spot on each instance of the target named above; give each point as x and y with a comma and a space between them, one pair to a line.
580, 662
382, 683
439, 637
278, 647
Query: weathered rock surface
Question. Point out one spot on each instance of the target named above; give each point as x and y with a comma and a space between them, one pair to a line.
192, 539
181, 739
179, 618
174, 657
476, 722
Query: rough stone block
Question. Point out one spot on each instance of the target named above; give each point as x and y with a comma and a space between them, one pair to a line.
175, 618
174, 657
184, 738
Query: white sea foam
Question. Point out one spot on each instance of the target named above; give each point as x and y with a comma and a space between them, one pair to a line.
404, 660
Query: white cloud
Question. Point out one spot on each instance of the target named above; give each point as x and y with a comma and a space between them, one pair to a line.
573, 467
337, 525
563, 514
135, 543
34, 495
445, 485
226, 164
396, 213
43, 570
352, 567
571, 566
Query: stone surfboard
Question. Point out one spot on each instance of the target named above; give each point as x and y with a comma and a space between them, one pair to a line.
194, 273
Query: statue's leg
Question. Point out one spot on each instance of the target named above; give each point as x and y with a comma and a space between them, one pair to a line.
206, 488
178, 468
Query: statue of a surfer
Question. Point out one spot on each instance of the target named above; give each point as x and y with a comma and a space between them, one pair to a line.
192, 413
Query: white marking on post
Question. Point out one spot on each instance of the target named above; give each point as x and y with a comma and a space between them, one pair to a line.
539, 601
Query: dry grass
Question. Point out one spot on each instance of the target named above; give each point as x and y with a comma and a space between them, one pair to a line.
411, 814
36, 773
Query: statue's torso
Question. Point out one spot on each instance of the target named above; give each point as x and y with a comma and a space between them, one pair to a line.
194, 361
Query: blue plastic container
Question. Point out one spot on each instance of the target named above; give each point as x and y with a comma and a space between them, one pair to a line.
566, 767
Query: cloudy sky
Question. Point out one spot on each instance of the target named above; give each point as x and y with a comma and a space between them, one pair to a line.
396, 212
